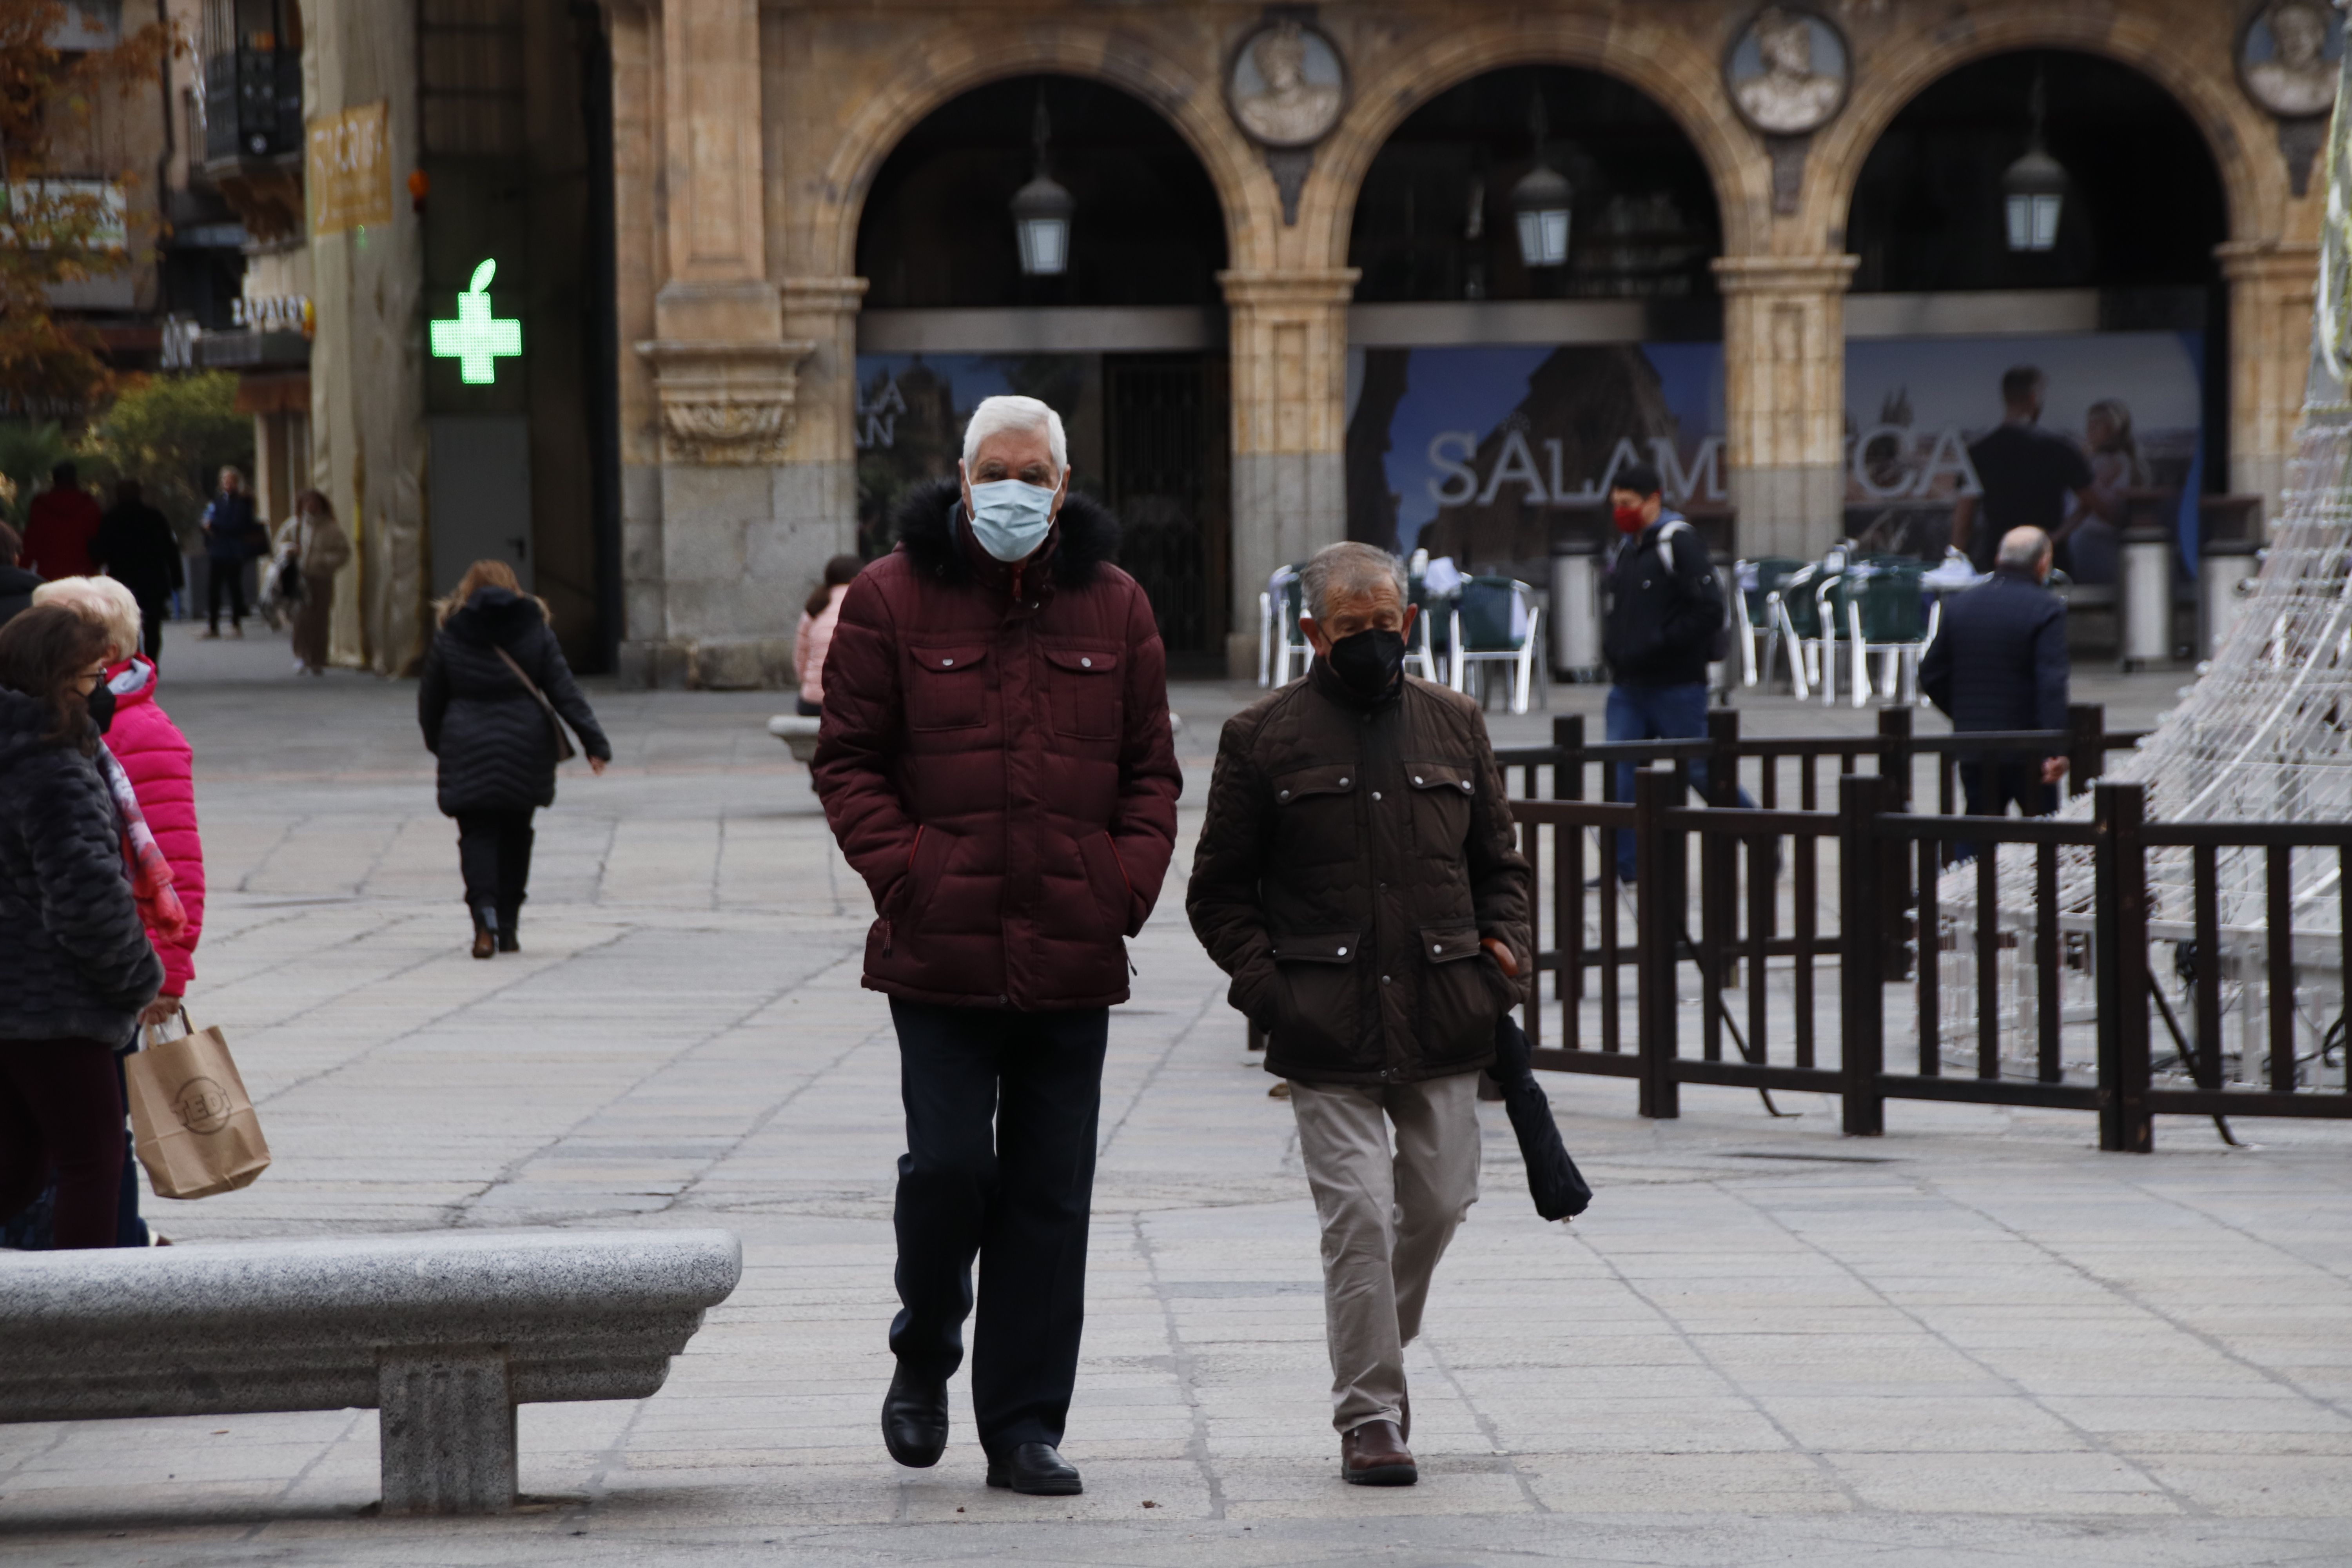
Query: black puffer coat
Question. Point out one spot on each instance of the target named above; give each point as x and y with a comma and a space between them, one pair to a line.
497, 748
75, 961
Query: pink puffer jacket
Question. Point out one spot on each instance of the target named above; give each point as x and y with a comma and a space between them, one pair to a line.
812, 641
161, 766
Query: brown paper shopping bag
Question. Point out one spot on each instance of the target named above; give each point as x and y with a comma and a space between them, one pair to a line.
192, 1120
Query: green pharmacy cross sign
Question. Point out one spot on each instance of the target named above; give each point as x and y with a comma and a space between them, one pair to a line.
477, 340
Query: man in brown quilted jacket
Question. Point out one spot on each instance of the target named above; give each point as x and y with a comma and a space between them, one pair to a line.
994, 758
1359, 877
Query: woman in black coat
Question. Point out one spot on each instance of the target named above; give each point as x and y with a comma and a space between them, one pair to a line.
480, 703
76, 966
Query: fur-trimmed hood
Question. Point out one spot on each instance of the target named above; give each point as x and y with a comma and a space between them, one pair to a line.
928, 521
495, 617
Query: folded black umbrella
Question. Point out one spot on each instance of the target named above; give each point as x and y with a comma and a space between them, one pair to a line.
1553, 1180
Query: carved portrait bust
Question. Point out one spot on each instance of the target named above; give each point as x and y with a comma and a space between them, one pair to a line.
1786, 71
2287, 58
1288, 85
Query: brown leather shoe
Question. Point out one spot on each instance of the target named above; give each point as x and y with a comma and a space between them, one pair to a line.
1374, 1454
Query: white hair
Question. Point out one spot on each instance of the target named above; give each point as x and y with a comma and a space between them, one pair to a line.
1346, 570
103, 601
2023, 547
996, 414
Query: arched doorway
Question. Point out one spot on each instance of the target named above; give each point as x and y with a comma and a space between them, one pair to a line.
2119, 302
1490, 399
1126, 339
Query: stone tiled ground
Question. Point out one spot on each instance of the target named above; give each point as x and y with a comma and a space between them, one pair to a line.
1973, 1340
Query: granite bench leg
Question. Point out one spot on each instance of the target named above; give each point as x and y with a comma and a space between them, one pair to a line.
447, 1419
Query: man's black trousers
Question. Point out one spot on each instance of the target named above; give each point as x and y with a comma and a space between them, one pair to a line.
1989, 788
1001, 1114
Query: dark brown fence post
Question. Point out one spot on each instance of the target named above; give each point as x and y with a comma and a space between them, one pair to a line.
2118, 816
1861, 916
1662, 900
2086, 745
1718, 880
1894, 753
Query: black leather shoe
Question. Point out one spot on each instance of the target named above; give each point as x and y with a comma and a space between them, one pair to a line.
914, 1420
1037, 1469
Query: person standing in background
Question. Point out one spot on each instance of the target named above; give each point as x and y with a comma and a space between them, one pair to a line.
816, 633
2025, 472
16, 584
321, 549
233, 535
492, 663
60, 526
137, 549
1999, 662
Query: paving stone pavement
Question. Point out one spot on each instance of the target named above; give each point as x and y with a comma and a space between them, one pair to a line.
1973, 1340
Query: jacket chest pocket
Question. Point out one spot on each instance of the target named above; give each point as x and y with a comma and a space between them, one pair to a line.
1084, 687
948, 690
1442, 794
1317, 813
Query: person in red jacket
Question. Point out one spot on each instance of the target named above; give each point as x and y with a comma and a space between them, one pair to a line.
59, 525
994, 758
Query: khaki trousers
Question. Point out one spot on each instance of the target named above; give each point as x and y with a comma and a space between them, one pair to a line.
1387, 1218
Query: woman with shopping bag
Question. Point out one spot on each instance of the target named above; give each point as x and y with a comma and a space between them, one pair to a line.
494, 685
153, 777
77, 970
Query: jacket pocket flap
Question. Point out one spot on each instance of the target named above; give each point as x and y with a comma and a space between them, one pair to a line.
959, 656
1444, 946
1440, 775
1336, 949
1303, 782
1083, 659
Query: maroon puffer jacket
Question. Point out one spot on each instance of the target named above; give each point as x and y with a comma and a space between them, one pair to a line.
996, 761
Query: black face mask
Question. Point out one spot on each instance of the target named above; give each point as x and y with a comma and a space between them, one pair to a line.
1368, 663
100, 703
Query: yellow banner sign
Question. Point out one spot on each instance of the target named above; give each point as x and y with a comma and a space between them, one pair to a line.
350, 167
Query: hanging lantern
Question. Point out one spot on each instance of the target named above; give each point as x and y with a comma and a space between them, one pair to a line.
1541, 204
1041, 212
2033, 190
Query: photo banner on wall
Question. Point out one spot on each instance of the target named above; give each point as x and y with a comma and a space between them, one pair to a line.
2129, 405
1475, 452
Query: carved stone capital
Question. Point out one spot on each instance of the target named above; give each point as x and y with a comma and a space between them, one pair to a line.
725, 403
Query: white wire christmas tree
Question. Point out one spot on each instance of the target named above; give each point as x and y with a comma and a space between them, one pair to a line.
2266, 733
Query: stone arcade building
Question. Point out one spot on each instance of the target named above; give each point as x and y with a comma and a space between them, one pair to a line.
761, 255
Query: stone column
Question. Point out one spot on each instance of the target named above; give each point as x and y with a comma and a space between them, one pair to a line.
1784, 398
1289, 394
725, 376
816, 485
2273, 286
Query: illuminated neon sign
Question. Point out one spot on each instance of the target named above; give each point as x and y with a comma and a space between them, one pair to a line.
476, 339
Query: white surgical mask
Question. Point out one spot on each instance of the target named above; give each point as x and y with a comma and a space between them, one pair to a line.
1010, 518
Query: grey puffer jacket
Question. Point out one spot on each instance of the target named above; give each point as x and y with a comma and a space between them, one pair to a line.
495, 746
75, 961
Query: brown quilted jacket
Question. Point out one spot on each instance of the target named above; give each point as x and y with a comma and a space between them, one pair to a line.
1351, 860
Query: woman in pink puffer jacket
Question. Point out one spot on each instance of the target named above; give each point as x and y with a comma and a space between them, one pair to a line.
159, 762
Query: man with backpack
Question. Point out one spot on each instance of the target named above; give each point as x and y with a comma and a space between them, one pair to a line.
1666, 623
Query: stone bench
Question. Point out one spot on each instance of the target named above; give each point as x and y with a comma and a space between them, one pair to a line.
444, 1332
797, 732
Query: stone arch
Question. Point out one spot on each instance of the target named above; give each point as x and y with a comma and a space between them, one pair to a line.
1680, 73
2169, 53
956, 61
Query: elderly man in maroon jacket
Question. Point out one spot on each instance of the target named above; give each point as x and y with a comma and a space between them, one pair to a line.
996, 761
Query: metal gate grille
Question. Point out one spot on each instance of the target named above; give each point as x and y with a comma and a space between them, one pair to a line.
1165, 462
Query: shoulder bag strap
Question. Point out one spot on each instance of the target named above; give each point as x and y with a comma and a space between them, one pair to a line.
564, 750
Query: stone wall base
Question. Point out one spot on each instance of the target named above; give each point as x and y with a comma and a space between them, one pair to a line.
709, 664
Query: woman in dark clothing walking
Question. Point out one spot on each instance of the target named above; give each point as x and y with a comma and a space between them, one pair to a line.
490, 665
76, 966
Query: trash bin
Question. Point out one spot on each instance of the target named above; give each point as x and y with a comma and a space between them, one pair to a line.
2144, 597
2225, 578
1576, 609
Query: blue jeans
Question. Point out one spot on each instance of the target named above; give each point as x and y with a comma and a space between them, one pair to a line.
1656, 713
